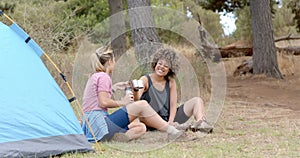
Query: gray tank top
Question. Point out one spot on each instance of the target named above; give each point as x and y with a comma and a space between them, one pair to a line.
159, 100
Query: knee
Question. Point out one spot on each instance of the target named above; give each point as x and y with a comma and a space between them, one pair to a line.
143, 103
142, 128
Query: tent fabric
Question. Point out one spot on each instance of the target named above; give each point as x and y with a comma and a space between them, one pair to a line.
23, 35
46, 147
35, 117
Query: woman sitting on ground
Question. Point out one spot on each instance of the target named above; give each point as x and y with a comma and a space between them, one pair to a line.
160, 92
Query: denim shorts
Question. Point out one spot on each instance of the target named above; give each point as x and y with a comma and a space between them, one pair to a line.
117, 122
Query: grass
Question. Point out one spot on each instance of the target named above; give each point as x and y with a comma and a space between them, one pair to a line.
241, 131
232, 137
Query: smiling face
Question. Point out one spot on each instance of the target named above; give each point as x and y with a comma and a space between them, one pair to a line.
162, 67
165, 62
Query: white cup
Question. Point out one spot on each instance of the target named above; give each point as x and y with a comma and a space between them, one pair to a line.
137, 84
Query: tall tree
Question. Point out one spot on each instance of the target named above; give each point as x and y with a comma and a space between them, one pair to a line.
144, 34
117, 27
264, 52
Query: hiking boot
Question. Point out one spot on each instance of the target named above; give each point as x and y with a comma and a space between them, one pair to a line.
181, 137
120, 137
183, 126
202, 126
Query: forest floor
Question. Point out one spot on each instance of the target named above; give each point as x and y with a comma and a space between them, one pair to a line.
260, 118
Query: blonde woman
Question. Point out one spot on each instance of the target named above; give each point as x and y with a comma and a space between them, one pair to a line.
97, 100
160, 92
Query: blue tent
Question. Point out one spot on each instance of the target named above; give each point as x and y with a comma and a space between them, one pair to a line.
36, 119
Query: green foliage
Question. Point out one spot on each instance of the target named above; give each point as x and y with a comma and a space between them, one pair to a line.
228, 5
85, 12
101, 33
172, 4
210, 20
81, 16
243, 25
283, 23
60, 23
38, 19
241, 9
219, 6
7, 6
56, 25
295, 6
165, 18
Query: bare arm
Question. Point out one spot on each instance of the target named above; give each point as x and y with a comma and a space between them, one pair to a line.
106, 102
137, 94
173, 100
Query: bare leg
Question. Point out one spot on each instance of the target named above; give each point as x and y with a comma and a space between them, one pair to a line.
146, 114
136, 130
194, 107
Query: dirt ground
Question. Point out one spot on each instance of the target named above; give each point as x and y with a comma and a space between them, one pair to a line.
260, 118
265, 109
264, 91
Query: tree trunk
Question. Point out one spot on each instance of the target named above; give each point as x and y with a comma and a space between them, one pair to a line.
144, 34
117, 27
264, 53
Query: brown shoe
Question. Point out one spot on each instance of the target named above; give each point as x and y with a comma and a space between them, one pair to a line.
120, 137
202, 126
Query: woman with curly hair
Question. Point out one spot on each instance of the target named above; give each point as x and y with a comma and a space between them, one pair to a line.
160, 92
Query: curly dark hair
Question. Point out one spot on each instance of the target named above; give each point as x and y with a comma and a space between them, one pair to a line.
170, 56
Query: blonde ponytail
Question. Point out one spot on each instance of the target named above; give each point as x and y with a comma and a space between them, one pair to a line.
100, 57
